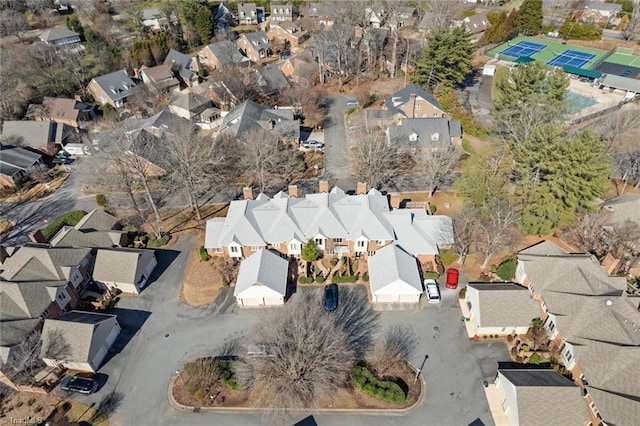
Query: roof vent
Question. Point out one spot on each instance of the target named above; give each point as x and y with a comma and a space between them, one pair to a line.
609, 302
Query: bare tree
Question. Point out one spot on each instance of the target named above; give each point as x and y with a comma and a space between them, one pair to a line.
436, 167
309, 353
517, 123
397, 346
13, 23
632, 28
243, 83
38, 173
372, 159
24, 360
442, 12
623, 238
55, 346
588, 231
465, 230
495, 225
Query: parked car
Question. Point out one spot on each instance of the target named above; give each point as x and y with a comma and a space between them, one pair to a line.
330, 299
452, 278
433, 292
79, 384
311, 144
352, 103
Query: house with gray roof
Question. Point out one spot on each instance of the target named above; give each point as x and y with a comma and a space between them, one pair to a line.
159, 78
126, 269
500, 308
394, 276
96, 229
220, 54
113, 89
13, 332
262, 280
250, 116
184, 67
596, 323
249, 13
61, 110
625, 207
155, 19
14, 163
476, 24
254, 46
272, 79
287, 32
529, 397
340, 224
45, 136
78, 341
59, 36
281, 12
599, 11
424, 134
413, 102
191, 106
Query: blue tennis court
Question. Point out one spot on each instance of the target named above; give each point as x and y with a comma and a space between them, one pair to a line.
523, 48
573, 58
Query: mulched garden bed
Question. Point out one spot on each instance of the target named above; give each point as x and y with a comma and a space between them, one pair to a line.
221, 395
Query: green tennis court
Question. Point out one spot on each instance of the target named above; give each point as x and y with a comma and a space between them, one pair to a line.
622, 59
552, 50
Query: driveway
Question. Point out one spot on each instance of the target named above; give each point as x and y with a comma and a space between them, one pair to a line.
165, 333
336, 151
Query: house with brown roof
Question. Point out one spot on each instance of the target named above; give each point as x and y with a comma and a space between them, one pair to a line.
476, 24
595, 323
45, 136
159, 78
222, 53
61, 110
254, 45
300, 69
289, 32
193, 107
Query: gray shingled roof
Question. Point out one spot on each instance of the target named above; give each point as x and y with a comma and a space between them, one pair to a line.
504, 305
274, 80
181, 63
545, 394
57, 33
394, 270
258, 40
190, 101
402, 96
71, 237
263, 268
23, 300
250, 116
119, 265
18, 158
227, 53
13, 332
41, 263
79, 331
622, 208
421, 133
35, 134
97, 220
117, 85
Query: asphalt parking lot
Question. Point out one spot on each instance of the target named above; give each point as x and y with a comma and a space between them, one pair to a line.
164, 333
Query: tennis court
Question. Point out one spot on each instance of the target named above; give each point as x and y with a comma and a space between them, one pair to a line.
523, 48
572, 58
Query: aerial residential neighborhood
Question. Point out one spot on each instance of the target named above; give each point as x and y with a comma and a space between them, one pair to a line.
320, 213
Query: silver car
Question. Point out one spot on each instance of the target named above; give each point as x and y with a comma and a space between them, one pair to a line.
433, 292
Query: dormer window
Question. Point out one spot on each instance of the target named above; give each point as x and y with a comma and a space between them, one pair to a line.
413, 137
435, 136
286, 11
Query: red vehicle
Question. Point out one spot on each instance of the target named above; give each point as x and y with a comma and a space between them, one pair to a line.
452, 278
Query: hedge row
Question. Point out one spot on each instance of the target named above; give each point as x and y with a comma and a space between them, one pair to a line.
305, 280
371, 386
66, 219
337, 279
158, 242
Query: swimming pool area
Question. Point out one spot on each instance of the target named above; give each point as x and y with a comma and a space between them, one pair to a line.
579, 102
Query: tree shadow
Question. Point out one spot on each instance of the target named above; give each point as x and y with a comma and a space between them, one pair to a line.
108, 405
307, 421
355, 315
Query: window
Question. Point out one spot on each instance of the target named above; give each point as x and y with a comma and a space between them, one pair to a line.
413, 137
337, 240
294, 246
255, 248
234, 249
416, 106
84, 262
568, 356
380, 242
361, 244
371, 253
319, 241
552, 326
594, 409
276, 245
217, 249
62, 296
45, 314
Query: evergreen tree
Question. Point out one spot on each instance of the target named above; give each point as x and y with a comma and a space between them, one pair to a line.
446, 58
531, 17
310, 251
506, 27
559, 176
73, 23
204, 24
485, 178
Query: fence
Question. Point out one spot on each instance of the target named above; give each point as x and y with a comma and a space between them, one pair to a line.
597, 63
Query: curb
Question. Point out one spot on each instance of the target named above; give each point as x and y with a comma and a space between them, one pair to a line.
358, 411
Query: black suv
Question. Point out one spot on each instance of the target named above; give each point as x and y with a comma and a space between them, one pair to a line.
79, 384
330, 299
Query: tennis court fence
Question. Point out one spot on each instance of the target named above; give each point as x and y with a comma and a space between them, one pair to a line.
597, 63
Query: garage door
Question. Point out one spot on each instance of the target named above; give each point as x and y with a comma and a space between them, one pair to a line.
251, 301
273, 301
386, 298
97, 360
408, 298
113, 336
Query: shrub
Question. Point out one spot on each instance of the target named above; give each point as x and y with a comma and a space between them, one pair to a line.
432, 208
101, 200
580, 31
333, 262
305, 280
466, 145
365, 278
199, 394
37, 409
525, 348
371, 386
341, 279
544, 348
204, 256
507, 269
485, 278
130, 229
537, 359
66, 219
319, 279
31, 402
431, 275
519, 358
227, 375
514, 351
510, 338
158, 242
447, 257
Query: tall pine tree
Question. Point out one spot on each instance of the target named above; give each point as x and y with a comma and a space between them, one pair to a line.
446, 58
204, 24
531, 17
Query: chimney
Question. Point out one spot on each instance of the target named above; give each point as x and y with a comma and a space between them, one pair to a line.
412, 102
247, 193
323, 186
293, 191
394, 200
272, 124
361, 188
